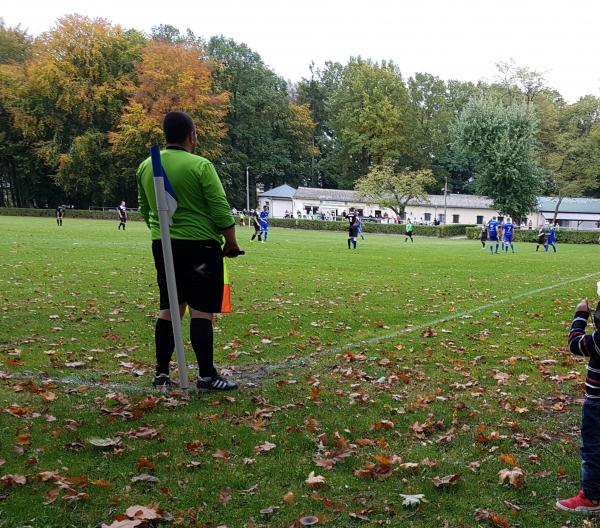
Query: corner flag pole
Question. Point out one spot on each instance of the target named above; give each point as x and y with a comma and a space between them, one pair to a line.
165, 236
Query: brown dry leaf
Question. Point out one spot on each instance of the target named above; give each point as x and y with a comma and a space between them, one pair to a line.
143, 433
146, 513
474, 466
289, 497
102, 483
51, 495
143, 462
264, 448
315, 481
429, 332
515, 476
448, 480
220, 453
225, 496
13, 480
23, 439
126, 523
508, 459
144, 477
492, 517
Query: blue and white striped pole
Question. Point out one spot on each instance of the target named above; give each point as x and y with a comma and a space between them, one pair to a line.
165, 236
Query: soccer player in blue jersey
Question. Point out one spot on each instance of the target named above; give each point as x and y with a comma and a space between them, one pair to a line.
493, 234
507, 235
264, 223
551, 238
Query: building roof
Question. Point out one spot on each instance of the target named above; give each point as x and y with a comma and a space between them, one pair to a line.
339, 195
330, 195
569, 205
283, 191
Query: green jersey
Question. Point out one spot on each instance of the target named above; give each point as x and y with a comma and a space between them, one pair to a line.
409, 227
202, 208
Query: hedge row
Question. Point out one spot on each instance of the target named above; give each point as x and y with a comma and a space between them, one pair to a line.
566, 236
69, 213
449, 230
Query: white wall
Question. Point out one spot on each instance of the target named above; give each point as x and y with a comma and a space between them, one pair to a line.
277, 206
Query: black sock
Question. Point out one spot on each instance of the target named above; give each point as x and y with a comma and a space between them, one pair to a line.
253, 236
201, 336
259, 239
349, 243
165, 345
354, 243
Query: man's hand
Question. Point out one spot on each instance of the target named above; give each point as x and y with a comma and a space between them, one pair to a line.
583, 306
232, 250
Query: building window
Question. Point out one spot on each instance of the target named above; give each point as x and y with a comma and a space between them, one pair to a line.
479, 220
427, 217
455, 219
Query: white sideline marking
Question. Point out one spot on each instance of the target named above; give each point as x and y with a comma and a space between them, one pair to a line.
127, 387
391, 335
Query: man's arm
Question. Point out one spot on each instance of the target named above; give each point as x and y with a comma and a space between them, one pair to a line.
144, 205
580, 343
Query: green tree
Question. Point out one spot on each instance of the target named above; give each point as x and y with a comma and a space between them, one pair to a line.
314, 92
266, 131
498, 143
371, 116
23, 178
86, 171
391, 188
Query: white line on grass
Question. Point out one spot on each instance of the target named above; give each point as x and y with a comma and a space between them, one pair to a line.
396, 333
128, 387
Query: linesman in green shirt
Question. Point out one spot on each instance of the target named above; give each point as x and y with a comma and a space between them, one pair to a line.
202, 233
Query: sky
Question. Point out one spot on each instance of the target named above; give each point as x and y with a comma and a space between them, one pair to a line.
453, 39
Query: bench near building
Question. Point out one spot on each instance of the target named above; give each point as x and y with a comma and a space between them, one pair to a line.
310, 202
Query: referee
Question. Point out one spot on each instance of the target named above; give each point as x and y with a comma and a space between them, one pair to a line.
200, 224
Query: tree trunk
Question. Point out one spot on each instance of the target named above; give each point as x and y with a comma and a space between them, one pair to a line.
560, 199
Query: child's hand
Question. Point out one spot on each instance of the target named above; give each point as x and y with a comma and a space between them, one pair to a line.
583, 306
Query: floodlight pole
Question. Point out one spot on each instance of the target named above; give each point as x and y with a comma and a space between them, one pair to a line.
445, 200
165, 237
248, 189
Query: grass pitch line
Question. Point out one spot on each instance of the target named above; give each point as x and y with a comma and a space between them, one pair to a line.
483, 307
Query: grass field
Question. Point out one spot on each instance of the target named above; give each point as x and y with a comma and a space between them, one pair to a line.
382, 370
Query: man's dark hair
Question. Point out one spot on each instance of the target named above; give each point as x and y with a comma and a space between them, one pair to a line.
177, 126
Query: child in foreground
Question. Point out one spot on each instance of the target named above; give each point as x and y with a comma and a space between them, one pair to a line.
588, 345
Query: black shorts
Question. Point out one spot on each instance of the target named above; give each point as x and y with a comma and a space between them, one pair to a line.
353, 232
198, 273
409, 234
541, 239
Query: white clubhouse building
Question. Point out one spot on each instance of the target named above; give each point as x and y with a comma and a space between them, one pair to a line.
309, 202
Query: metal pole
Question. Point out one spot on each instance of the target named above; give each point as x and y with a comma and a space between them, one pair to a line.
248, 189
446, 200
165, 237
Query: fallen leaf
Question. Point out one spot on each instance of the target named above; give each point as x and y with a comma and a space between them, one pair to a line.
265, 448
448, 480
515, 476
315, 481
104, 442
412, 500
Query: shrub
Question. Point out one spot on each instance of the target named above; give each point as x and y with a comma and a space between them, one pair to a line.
69, 213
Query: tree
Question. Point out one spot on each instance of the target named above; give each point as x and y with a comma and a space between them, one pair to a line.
170, 77
86, 171
370, 114
265, 130
393, 189
23, 179
498, 143
432, 117
315, 92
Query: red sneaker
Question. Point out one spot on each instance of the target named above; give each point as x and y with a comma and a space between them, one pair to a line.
580, 503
